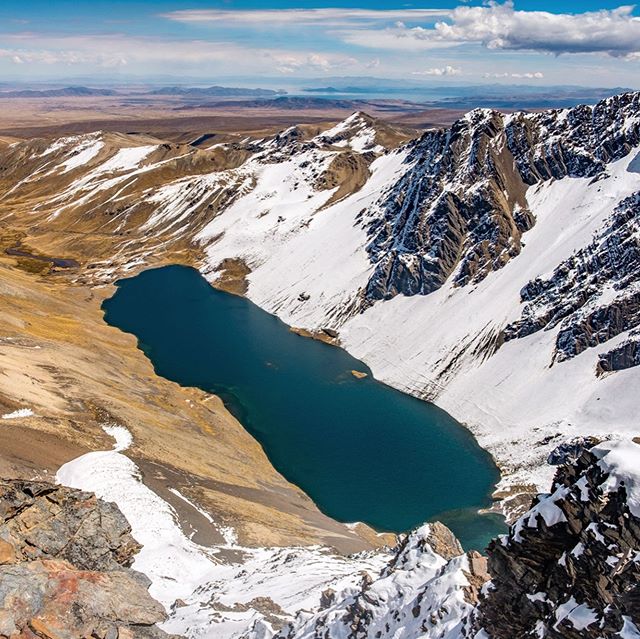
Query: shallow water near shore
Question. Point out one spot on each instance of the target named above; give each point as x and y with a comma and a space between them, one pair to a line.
360, 449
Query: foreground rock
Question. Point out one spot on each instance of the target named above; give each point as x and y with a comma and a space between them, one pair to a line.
427, 590
64, 567
571, 566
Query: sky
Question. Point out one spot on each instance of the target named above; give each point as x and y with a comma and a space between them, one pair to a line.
546, 42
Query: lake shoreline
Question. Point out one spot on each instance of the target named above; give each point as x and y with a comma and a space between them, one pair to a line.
396, 403
507, 502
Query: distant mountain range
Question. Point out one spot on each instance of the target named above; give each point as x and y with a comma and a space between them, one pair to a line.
186, 92
285, 102
67, 92
215, 91
341, 93
494, 96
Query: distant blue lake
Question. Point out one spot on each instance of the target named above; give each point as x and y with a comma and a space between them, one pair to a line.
360, 449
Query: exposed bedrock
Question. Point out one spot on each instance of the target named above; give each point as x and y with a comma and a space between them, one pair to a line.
460, 209
64, 567
569, 567
593, 295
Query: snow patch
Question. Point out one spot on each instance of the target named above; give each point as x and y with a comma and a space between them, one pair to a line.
547, 509
121, 435
580, 616
621, 460
629, 629
84, 154
178, 568
18, 414
127, 159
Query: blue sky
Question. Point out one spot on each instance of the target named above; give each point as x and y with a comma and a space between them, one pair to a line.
446, 41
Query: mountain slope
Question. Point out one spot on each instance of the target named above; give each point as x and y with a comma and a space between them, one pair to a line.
490, 267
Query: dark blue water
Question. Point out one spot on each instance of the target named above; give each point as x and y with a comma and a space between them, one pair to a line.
361, 450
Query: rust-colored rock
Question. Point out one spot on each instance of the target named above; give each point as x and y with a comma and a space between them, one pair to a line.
64, 557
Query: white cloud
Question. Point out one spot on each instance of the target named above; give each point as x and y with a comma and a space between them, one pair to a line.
439, 71
528, 75
292, 62
63, 57
320, 17
119, 50
398, 37
499, 26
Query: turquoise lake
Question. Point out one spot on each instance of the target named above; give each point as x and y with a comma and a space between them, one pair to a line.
360, 449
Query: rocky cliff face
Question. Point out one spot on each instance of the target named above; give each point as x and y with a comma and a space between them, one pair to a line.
64, 558
593, 296
460, 206
461, 209
570, 567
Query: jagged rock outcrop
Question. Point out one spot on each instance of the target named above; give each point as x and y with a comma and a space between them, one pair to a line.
64, 567
426, 591
570, 567
594, 294
627, 355
461, 208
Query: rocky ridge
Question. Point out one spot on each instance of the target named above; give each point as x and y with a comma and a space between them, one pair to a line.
426, 590
570, 567
461, 208
64, 567
593, 295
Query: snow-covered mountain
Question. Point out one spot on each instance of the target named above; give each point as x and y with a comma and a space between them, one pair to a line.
490, 267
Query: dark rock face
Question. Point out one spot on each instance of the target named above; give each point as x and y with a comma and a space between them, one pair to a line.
569, 297
461, 205
569, 452
576, 142
64, 557
461, 208
43, 521
624, 356
577, 576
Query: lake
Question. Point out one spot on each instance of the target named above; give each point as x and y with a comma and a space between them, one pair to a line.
360, 449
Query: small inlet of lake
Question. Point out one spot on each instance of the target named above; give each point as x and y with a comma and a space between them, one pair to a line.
360, 449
